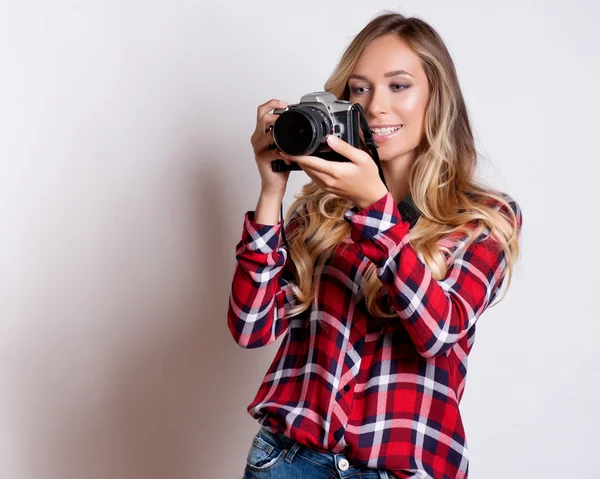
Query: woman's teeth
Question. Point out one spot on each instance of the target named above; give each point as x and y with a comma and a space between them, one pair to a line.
384, 131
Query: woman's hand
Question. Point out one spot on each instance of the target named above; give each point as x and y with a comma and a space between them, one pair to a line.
357, 180
262, 138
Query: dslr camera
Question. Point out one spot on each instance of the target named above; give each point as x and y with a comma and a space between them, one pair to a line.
302, 128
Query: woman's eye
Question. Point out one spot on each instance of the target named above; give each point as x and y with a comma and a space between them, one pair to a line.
395, 87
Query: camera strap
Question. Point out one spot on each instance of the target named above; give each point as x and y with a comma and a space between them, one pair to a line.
369, 141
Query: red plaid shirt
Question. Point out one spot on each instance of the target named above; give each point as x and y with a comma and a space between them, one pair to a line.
383, 391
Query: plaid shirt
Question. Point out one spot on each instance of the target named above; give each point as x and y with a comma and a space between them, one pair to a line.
383, 391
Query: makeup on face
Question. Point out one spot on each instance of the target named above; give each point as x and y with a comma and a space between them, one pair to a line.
388, 81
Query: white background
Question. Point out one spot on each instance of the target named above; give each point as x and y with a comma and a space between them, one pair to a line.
126, 169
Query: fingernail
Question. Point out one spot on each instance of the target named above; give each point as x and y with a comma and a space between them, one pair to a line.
332, 139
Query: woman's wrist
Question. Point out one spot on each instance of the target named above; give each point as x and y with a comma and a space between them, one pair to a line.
365, 202
272, 193
268, 206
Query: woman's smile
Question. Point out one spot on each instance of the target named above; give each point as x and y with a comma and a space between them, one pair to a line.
381, 135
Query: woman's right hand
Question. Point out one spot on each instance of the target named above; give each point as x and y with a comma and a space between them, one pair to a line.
272, 181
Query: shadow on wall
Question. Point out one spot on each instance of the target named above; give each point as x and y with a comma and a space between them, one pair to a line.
164, 406
173, 400
171, 411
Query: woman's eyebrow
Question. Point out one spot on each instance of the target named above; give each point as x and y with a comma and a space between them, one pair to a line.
387, 75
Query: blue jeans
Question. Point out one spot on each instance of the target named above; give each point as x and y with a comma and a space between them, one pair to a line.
275, 456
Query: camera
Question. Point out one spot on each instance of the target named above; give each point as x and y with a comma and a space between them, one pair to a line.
302, 128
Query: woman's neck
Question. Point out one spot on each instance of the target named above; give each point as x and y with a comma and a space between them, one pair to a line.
397, 173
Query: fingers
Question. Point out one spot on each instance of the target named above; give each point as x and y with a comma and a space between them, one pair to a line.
266, 121
262, 141
273, 155
268, 106
318, 178
345, 149
315, 164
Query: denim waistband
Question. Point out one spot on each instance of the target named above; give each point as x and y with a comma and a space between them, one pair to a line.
327, 459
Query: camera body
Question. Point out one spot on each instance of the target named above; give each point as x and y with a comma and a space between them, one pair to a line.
302, 128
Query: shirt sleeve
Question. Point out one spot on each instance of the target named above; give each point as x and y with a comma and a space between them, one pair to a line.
261, 292
436, 314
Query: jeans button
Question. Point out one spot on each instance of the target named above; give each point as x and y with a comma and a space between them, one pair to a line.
343, 464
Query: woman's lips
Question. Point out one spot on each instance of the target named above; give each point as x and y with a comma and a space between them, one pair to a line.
384, 138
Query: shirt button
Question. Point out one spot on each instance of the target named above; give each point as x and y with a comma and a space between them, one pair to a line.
346, 388
343, 464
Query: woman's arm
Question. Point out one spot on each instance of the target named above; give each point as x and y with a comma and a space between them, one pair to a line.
436, 314
261, 288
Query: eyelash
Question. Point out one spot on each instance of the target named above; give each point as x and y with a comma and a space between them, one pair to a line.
404, 87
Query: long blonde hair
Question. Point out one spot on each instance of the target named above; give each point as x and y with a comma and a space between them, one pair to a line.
453, 204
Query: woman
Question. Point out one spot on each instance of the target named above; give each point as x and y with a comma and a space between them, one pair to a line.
380, 317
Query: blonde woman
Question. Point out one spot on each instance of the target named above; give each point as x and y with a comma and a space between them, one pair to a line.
379, 317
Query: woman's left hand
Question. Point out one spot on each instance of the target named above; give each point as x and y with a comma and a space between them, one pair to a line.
357, 180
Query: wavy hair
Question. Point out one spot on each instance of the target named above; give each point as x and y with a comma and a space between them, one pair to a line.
442, 184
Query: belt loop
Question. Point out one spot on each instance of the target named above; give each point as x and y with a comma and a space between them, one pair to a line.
292, 452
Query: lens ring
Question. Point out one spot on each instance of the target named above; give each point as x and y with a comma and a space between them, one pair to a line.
300, 130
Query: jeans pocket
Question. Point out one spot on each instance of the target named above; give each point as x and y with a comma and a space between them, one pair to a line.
262, 455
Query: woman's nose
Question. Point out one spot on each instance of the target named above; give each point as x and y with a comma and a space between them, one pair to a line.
378, 103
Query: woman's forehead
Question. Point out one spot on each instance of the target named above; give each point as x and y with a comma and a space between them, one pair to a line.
386, 55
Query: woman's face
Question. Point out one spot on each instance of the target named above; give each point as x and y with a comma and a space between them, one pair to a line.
390, 84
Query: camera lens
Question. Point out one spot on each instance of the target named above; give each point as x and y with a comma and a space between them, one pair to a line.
299, 131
